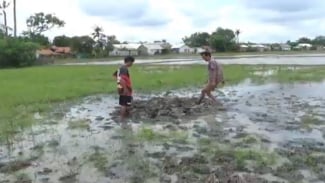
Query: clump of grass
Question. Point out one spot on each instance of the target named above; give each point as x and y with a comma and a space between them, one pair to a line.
79, 125
261, 158
250, 140
310, 120
23, 177
147, 134
99, 160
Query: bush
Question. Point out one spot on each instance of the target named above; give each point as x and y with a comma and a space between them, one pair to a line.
17, 53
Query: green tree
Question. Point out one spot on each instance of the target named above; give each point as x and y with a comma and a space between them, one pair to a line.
319, 40
99, 37
83, 45
63, 41
304, 40
109, 44
36, 38
223, 40
3, 6
237, 32
17, 53
41, 22
197, 39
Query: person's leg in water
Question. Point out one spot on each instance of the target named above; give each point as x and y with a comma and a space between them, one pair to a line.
214, 100
123, 113
203, 93
207, 91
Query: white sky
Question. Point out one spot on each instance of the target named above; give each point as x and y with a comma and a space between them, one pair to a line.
148, 20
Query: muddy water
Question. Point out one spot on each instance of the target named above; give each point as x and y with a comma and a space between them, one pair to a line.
233, 141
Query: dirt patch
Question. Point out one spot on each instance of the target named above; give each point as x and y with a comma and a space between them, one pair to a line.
14, 166
171, 109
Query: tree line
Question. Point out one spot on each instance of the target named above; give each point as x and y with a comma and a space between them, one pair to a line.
20, 51
224, 39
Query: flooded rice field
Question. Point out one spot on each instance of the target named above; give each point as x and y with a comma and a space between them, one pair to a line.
313, 59
258, 133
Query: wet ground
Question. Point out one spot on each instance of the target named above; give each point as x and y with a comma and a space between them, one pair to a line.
259, 133
313, 59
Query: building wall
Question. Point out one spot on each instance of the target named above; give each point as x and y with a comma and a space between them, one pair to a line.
117, 52
143, 50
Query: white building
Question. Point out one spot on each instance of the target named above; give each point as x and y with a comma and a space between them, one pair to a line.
125, 49
150, 49
182, 48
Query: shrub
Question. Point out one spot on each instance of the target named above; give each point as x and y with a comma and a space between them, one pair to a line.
17, 53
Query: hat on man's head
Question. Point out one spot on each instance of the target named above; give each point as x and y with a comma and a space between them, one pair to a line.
205, 51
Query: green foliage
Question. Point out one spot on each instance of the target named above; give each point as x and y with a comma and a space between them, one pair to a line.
197, 39
36, 38
83, 44
223, 40
17, 53
41, 22
62, 41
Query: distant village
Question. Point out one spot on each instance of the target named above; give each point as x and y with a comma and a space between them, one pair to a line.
163, 47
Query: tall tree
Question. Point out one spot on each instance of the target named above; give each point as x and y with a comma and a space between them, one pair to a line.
223, 39
100, 39
197, 39
83, 44
41, 22
4, 5
319, 40
62, 41
15, 18
237, 32
304, 40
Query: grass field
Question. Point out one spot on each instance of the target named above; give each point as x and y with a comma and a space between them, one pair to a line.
26, 91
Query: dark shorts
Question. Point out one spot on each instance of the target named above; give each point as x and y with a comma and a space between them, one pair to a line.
125, 100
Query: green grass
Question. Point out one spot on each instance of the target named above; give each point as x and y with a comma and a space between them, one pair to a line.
147, 134
37, 89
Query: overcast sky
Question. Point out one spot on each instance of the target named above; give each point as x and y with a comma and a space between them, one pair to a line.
148, 20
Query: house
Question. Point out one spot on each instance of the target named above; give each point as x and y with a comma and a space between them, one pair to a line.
125, 49
303, 46
243, 48
61, 50
320, 48
45, 56
258, 47
285, 47
182, 48
150, 49
199, 50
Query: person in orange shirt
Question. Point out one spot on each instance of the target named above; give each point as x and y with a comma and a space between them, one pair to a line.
124, 87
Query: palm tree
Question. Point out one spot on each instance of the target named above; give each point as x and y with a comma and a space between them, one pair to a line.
237, 32
3, 6
15, 18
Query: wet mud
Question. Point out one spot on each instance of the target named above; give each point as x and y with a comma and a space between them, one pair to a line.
266, 133
170, 109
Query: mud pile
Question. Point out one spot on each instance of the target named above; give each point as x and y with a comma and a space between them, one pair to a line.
171, 109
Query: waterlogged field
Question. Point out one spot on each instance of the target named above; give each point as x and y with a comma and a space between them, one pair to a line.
58, 125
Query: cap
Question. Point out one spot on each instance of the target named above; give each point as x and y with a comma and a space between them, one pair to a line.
206, 51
